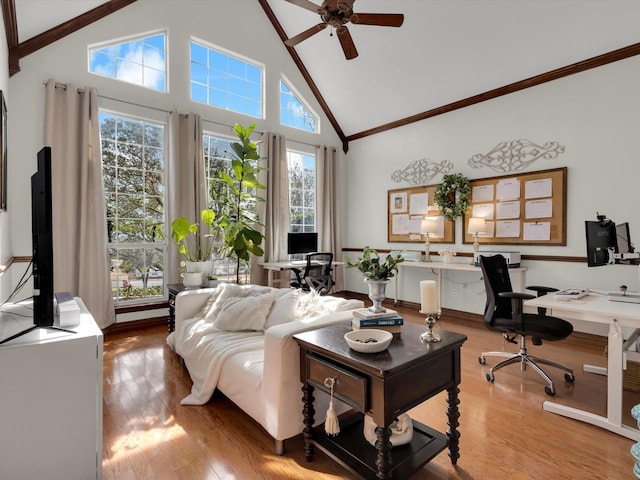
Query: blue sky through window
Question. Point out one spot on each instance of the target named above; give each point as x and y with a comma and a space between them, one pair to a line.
224, 81
141, 61
293, 112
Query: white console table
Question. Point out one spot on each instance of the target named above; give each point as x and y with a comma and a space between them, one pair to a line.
438, 267
50, 399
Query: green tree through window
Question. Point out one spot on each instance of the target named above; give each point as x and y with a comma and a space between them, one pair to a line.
133, 159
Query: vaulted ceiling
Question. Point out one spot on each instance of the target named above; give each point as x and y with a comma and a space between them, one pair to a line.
446, 55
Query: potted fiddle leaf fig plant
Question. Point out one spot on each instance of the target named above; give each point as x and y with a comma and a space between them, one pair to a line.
237, 217
377, 273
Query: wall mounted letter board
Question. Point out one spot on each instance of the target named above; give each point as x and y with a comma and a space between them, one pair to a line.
520, 209
406, 209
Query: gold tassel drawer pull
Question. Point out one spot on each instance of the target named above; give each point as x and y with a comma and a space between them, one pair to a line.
331, 425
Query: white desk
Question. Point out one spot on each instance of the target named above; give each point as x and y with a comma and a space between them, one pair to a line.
596, 308
438, 267
272, 267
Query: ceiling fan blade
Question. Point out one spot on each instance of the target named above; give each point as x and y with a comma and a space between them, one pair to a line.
348, 47
293, 41
381, 19
306, 4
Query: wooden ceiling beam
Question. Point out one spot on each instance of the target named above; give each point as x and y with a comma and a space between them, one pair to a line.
11, 28
44, 39
594, 62
305, 73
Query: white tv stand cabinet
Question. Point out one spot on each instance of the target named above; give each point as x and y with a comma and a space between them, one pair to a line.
50, 399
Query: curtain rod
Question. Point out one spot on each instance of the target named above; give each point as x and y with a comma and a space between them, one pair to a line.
81, 90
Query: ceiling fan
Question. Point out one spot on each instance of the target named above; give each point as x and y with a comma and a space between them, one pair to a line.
337, 13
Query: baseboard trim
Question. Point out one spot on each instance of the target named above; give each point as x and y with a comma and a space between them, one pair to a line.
120, 327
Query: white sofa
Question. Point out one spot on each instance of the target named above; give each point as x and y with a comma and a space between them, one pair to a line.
259, 369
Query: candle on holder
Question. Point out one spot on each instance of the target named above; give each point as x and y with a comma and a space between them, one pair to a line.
428, 297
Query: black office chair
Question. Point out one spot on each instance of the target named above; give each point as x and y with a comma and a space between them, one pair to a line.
316, 274
504, 314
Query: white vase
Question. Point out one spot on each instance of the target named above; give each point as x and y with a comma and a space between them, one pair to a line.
206, 268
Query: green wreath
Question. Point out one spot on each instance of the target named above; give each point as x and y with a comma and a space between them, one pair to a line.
453, 196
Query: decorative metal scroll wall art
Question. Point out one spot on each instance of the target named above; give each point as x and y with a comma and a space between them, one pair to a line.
420, 172
515, 155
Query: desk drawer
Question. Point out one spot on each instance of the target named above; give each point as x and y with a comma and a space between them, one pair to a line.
349, 387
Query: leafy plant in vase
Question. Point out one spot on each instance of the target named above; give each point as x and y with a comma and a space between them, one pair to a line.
196, 247
377, 274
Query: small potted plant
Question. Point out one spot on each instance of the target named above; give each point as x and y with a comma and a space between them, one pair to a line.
197, 248
377, 273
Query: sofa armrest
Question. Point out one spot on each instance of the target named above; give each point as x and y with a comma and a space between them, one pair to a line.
190, 302
281, 371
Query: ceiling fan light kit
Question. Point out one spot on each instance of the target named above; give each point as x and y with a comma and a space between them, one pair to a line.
337, 13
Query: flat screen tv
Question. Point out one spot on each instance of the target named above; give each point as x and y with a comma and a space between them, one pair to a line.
42, 247
42, 240
302, 242
601, 238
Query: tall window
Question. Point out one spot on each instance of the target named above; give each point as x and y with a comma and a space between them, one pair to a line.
302, 191
141, 61
293, 112
133, 153
225, 81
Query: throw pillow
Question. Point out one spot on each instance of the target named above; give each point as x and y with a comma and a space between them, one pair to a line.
243, 313
283, 309
230, 290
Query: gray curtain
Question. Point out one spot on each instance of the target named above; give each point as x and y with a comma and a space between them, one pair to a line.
81, 259
186, 183
274, 212
328, 210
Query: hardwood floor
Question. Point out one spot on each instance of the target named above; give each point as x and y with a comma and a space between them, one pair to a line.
505, 434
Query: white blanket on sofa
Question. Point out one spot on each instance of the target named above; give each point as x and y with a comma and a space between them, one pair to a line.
204, 349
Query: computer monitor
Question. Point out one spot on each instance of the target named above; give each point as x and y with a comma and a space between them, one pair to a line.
623, 238
302, 242
601, 237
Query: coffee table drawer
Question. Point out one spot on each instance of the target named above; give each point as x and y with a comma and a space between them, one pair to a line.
348, 387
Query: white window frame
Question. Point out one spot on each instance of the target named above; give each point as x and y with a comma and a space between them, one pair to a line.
127, 110
302, 101
115, 43
236, 56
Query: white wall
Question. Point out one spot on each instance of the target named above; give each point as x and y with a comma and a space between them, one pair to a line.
593, 114
5, 217
240, 27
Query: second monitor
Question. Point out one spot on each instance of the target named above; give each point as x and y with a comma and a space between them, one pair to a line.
302, 242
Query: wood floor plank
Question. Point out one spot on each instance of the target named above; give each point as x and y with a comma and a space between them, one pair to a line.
504, 431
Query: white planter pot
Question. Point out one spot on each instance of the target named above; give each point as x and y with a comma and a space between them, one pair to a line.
192, 279
206, 268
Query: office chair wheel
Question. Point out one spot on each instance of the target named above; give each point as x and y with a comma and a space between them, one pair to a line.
482, 360
550, 390
569, 377
490, 377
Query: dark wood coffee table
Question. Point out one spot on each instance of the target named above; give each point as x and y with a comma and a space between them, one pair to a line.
382, 385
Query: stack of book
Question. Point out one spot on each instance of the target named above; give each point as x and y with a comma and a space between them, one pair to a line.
388, 320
